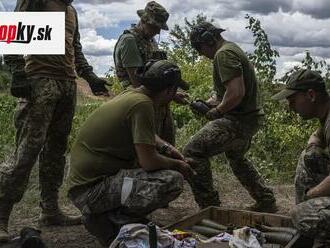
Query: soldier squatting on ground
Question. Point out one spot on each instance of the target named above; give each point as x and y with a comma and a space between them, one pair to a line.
307, 96
46, 90
119, 177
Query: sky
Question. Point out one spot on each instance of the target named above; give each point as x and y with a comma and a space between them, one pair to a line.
293, 26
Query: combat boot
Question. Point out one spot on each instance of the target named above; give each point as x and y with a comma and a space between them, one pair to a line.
264, 206
51, 215
5, 210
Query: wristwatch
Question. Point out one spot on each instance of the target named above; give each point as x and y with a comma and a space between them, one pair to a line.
164, 148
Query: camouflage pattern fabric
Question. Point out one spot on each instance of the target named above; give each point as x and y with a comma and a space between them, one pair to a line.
227, 135
43, 125
125, 198
312, 216
313, 166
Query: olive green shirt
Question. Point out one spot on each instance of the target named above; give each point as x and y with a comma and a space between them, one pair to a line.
105, 143
230, 62
127, 54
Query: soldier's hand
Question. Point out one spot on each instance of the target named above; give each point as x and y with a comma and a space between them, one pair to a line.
185, 169
174, 153
181, 98
213, 114
20, 85
97, 84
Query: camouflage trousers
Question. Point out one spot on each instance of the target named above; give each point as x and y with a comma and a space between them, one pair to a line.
126, 197
232, 137
313, 166
43, 124
312, 216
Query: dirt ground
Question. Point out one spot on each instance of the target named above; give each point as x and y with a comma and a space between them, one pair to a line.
232, 195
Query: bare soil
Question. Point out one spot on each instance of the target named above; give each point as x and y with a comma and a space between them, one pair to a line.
232, 194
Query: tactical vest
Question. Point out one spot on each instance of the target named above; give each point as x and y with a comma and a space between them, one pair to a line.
147, 49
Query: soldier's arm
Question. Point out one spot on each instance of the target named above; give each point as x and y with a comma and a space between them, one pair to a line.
84, 70
82, 66
150, 160
322, 189
316, 139
235, 91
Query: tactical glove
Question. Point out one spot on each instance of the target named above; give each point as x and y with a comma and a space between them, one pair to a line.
96, 84
20, 85
199, 107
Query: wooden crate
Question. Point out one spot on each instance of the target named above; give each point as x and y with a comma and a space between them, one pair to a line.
237, 218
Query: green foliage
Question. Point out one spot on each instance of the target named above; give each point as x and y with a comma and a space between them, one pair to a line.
4, 76
264, 56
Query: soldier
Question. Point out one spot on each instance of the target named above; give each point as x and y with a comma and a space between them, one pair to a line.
119, 177
307, 96
46, 87
234, 118
134, 48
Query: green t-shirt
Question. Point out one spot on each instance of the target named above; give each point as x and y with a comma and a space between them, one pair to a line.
229, 62
127, 54
105, 143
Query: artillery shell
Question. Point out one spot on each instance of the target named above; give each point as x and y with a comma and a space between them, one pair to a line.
204, 230
278, 229
212, 224
281, 238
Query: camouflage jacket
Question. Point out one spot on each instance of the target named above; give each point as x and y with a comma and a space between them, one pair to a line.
148, 51
17, 63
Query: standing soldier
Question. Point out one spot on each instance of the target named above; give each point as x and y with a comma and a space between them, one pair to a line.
233, 121
46, 87
137, 46
307, 96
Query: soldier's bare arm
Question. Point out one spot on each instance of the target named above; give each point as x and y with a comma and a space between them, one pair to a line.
322, 189
235, 91
316, 139
150, 160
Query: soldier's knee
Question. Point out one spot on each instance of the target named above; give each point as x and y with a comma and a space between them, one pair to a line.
176, 181
305, 219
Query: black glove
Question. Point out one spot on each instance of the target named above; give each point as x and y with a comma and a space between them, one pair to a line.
199, 107
96, 84
20, 85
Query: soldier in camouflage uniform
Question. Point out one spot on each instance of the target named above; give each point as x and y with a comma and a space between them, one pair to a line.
307, 96
46, 88
134, 48
235, 117
119, 177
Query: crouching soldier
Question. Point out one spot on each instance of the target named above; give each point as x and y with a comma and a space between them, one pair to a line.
307, 96
117, 173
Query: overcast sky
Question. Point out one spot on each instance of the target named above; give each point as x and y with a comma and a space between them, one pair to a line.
292, 26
